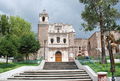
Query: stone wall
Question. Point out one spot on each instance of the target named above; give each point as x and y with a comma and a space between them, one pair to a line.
94, 44
80, 46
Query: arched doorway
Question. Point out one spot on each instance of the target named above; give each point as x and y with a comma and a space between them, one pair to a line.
58, 56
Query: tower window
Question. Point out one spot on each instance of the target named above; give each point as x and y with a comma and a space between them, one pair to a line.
52, 40
58, 39
43, 18
64, 40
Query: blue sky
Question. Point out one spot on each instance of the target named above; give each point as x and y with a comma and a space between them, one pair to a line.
60, 11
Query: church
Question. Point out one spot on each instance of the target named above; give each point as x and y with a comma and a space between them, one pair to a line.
58, 42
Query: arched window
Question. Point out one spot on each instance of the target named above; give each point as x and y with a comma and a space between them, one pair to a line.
64, 40
79, 48
89, 45
58, 39
43, 18
52, 40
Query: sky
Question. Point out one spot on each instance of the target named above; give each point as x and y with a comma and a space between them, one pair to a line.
59, 11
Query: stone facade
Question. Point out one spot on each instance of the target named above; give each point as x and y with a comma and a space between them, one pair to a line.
94, 44
80, 46
56, 40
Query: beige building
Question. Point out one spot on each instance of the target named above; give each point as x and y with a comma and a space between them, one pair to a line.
94, 44
58, 42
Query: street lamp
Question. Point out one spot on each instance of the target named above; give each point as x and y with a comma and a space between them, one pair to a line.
44, 48
112, 63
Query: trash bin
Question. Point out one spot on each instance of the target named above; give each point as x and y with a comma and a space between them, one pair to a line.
102, 76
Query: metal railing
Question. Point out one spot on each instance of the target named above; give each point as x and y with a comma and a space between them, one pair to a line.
37, 61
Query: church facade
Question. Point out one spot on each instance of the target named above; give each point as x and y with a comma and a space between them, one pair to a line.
57, 40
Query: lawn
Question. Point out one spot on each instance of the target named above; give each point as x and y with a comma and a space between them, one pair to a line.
6, 67
97, 67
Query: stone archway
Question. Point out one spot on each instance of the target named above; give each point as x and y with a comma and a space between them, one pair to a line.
58, 56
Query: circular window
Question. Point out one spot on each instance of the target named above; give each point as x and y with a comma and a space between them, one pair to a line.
64, 40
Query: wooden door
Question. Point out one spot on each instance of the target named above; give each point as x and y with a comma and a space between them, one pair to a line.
58, 57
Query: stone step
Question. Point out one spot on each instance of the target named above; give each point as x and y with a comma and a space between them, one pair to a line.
54, 71
55, 80
47, 78
60, 65
59, 68
49, 73
77, 70
64, 75
57, 72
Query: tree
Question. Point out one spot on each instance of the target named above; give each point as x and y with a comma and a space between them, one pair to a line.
16, 32
35, 47
7, 47
13, 25
28, 44
19, 26
102, 14
4, 25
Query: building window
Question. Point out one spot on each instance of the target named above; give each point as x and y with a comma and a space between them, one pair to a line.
89, 45
52, 40
58, 39
79, 48
58, 30
43, 18
64, 40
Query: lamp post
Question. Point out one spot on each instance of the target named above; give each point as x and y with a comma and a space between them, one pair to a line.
112, 63
44, 48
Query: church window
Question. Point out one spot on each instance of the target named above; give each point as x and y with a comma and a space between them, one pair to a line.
79, 48
58, 29
58, 39
64, 40
52, 40
43, 18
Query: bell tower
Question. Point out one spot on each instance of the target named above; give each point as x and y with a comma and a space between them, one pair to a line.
43, 17
43, 33
43, 27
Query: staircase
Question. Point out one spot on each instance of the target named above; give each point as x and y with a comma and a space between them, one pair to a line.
60, 71
60, 66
